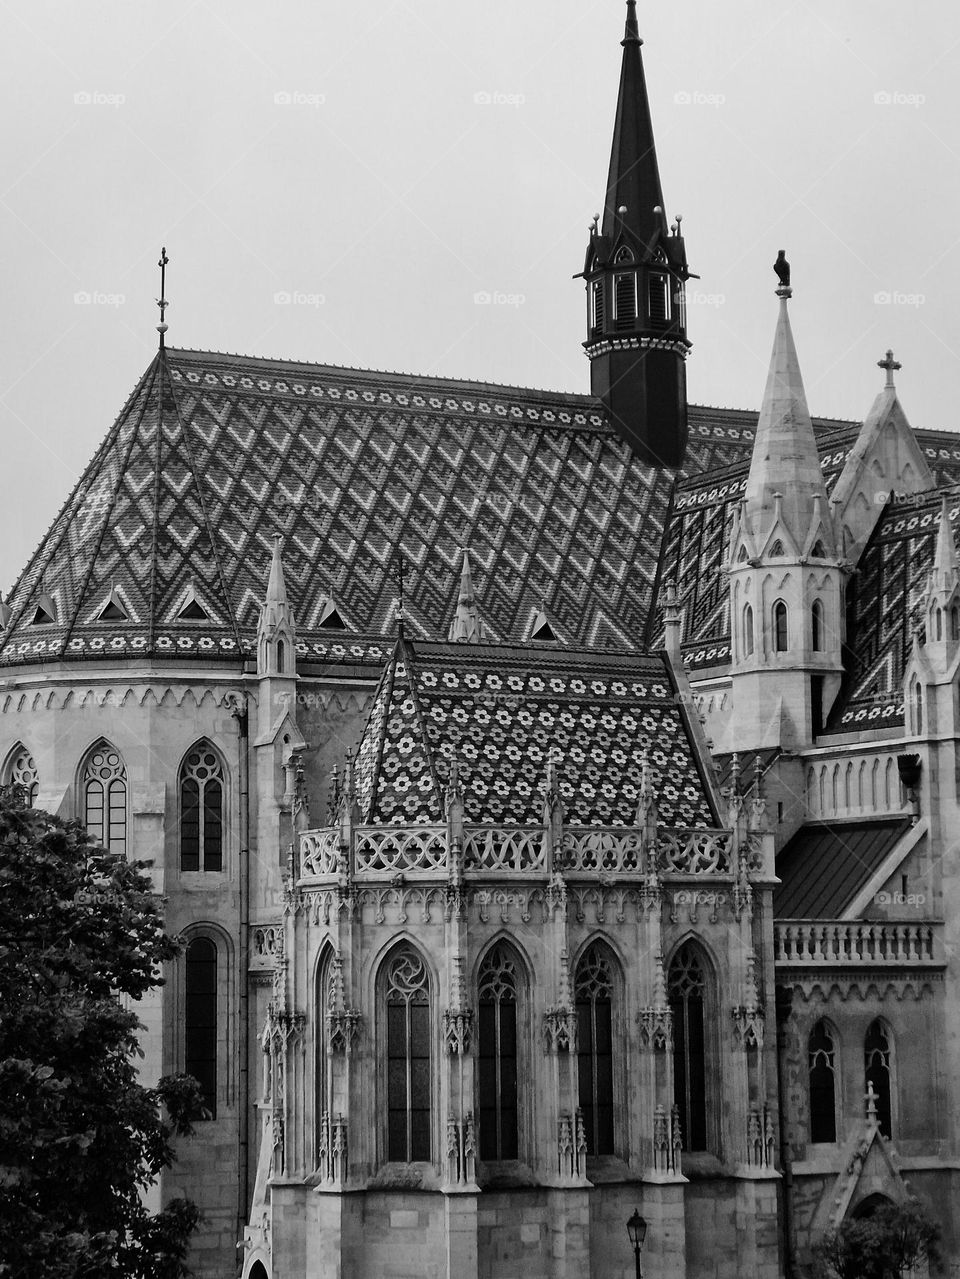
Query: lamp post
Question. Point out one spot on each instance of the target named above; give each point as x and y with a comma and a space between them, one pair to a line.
637, 1230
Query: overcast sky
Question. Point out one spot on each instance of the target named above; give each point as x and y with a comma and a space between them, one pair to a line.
380, 164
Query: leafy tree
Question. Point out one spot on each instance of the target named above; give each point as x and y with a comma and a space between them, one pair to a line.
892, 1240
81, 939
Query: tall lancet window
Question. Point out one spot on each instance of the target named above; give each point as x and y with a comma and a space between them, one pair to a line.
688, 996
876, 1052
22, 773
105, 798
201, 810
748, 630
497, 1058
780, 627
821, 1058
594, 999
816, 626
408, 1058
200, 1021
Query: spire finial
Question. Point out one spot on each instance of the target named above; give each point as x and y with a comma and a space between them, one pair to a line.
466, 624
162, 302
632, 33
891, 366
782, 268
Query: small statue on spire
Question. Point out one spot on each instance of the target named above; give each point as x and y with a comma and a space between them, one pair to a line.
162, 302
782, 268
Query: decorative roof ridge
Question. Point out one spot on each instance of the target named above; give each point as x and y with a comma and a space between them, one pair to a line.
231, 607
91, 469
388, 677
580, 397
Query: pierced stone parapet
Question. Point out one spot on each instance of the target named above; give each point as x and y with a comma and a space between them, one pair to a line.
320, 852
694, 852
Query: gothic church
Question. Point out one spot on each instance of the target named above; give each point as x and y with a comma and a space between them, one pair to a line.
556, 795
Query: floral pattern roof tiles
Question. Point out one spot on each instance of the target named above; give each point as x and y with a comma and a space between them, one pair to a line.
504, 713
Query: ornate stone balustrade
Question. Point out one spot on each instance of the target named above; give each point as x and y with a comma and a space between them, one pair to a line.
593, 848
381, 853
802, 943
319, 850
521, 849
695, 852
391, 850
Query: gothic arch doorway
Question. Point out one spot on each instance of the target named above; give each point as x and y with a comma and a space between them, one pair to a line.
257, 1271
866, 1208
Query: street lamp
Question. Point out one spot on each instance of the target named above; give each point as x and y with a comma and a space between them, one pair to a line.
637, 1230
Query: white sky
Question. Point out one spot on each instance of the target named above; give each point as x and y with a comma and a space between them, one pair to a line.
388, 191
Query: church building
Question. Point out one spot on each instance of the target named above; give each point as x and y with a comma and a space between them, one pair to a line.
556, 795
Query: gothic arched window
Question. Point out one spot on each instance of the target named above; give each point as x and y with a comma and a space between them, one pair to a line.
408, 1058
687, 986
200, 1018
780, 627
598, 300
21, 772
281, 656
748, 630
497, 1056
876, 1052
816, 626
104, 789
594, 1000
821, 1066
201, 809
918, 706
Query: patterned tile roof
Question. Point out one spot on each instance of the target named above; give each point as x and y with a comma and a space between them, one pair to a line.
505, 712
883, 599
702, 518
164, 544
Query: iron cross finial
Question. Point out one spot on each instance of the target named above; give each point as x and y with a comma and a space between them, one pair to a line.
891, 366
162, 302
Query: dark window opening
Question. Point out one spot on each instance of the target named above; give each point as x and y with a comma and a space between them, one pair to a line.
687, 987
408, 1059
497, 1058
823, 1103
594, 1000
876, 1050
780, 627
200, 1030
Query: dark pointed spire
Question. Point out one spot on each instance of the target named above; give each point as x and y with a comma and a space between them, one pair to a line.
633, 181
